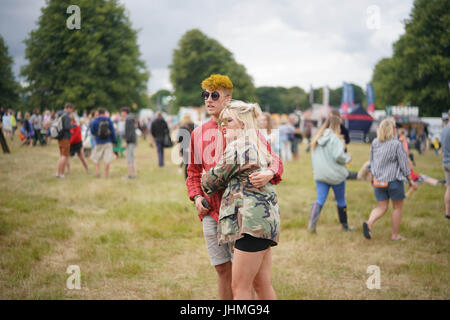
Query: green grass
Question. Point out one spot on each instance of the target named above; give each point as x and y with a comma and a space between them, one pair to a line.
142, 239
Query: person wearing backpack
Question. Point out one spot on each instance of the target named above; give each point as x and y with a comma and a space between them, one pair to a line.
103, 130
63, 126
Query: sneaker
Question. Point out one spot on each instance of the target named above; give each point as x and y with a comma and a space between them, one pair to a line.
347, 228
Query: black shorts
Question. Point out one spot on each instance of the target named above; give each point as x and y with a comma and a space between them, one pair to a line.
75, 148
251, 244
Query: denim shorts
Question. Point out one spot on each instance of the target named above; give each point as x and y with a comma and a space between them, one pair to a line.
394, 191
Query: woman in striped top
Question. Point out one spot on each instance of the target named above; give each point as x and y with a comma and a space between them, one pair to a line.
389, 165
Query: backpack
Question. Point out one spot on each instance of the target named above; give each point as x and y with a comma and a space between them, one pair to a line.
103, 130
56, 128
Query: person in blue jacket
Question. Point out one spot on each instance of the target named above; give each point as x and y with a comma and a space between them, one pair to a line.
105, 136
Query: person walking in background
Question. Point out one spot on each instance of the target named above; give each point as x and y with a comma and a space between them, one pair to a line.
344, 131
184, 139
268, 129
92, 116
7, 126
26, 132
445, 142
130, 139
286, 132
308, 135
103, 130
13, 123
46, 123
158, 130
249, 217
389, 167
36, 122
76, 144
297, 137
329, 166
64, 139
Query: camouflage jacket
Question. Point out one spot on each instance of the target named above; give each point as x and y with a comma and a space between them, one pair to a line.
244, 208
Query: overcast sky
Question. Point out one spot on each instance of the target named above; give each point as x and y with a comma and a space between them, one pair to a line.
281, 43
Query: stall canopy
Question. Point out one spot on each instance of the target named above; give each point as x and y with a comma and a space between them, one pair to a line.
358, 120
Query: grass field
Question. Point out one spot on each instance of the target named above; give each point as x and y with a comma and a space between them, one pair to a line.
142, 239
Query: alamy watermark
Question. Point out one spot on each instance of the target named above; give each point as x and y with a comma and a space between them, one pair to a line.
374, 281
74, 280
373, 17
74, 21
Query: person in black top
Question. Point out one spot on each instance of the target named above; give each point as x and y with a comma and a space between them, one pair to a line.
158, 130
130, 138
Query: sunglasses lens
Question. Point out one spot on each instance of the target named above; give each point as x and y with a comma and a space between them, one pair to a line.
205, 95
215, 95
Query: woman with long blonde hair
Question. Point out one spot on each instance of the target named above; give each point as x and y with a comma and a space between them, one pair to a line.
249, 217
329, 160
389, 167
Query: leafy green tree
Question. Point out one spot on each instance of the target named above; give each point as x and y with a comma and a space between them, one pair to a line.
9, 88
269, 99
96, 65
196, 58
419, 71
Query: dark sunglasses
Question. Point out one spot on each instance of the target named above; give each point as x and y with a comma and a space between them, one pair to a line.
214, 95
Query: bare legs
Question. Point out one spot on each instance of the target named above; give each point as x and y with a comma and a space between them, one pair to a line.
224, 272
381, 209
62, 163
447, 202
252, 270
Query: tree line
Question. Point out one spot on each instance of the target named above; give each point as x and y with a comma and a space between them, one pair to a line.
100, 65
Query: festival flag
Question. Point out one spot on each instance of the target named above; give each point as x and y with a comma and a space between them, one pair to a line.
351, 97
326, 96
344, 100
370, 99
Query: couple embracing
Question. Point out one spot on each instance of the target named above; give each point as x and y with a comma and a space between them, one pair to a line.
231, 177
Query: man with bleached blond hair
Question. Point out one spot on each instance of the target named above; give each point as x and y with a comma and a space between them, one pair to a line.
207, 144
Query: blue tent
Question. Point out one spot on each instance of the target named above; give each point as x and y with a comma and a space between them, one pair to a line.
358, 121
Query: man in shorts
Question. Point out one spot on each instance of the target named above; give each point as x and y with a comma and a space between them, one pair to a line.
445, 143
103, 130
64, 140
207, 144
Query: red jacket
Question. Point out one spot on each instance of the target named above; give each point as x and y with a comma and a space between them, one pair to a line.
76, 135
207, 146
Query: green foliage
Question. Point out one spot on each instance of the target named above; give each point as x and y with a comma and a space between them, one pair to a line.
419, 71
282, 100
196, 58
286, 100
9, 88
97, 65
